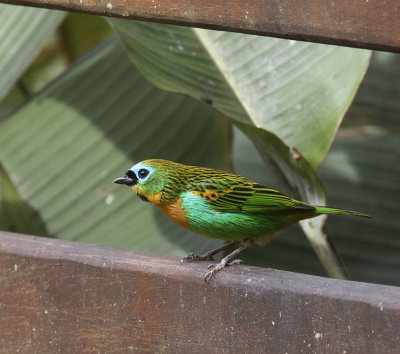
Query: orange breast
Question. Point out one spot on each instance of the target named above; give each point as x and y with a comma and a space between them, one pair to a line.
174, 212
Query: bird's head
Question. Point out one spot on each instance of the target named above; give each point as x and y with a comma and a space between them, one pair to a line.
149, 178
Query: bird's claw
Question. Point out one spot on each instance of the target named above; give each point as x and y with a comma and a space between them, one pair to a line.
209, 275
214, 268
235, 261
192, 257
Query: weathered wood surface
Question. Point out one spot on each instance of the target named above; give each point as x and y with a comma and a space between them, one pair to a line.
356, 23
59, 296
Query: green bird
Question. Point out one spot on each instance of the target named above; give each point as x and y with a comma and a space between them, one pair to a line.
218, 204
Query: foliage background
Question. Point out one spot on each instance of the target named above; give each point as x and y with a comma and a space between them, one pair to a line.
77, 113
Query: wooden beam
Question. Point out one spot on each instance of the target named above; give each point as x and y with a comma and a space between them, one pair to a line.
64, 296
357, 23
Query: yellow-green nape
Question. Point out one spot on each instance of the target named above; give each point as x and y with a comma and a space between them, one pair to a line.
159, 163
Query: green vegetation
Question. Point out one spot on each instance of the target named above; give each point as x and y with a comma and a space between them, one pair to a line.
91, 104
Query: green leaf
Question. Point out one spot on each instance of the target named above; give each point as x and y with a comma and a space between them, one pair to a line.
288, 97
360, 173
23, 31
11, 101
50, 63
15, 214
94, 28
376, 108
297, 90
299, 173
363, 174
64, 148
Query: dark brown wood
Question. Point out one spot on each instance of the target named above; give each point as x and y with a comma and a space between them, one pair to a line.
356, 23
70, 297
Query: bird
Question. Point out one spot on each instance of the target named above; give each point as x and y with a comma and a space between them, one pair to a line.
218, 204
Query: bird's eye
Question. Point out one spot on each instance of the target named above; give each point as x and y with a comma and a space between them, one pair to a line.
143, 173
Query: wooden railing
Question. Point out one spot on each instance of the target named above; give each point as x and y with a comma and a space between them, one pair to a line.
357, 23
59, 296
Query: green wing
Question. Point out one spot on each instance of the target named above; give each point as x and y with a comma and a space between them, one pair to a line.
234, 194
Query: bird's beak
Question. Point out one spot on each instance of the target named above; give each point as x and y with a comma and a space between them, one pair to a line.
125, 180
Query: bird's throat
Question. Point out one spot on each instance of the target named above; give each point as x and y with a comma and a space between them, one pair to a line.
174, 212
142, 197
154, 198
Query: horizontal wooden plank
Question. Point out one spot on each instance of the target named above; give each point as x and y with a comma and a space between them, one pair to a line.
65, 296
357, 23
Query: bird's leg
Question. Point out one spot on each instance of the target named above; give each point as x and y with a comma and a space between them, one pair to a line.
208, 255
227, 261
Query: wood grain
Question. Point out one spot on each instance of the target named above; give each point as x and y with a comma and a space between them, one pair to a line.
69, 297
356, 23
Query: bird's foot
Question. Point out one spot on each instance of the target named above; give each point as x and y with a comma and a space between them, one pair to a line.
192, 257
208, 256
217, 267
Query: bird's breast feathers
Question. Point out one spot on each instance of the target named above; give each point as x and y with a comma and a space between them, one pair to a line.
173, 211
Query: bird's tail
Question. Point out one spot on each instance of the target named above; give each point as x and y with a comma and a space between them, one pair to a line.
327, 210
